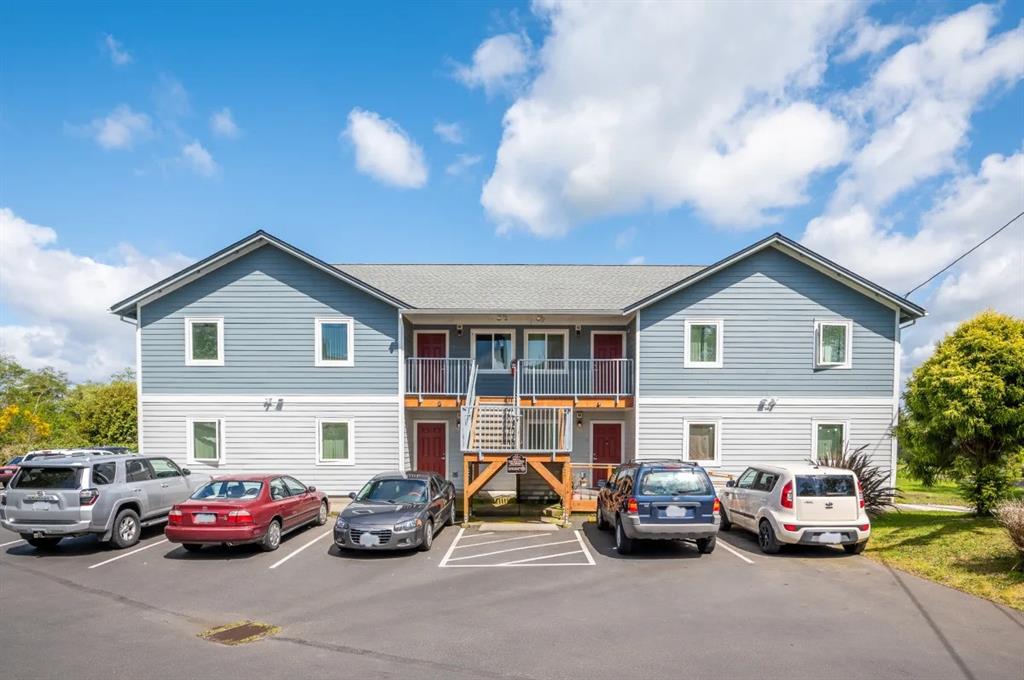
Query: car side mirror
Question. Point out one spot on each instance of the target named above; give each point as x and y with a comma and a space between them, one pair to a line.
602, 483
186, 471
310, 489
730, 484
352, 494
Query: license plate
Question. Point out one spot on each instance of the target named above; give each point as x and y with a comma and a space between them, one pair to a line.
677, 511
369, 540
204, 518
41, 506
830, 538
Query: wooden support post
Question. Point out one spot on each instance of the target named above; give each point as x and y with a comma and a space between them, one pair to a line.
493, 468
566, 490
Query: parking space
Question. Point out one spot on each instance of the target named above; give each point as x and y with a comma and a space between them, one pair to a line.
472, 548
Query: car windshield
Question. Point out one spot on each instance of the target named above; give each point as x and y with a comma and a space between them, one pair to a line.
674, 483
47, 478
825, 485
227, 490
394, 491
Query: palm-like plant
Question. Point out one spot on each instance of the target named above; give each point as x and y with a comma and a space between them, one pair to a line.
874, 480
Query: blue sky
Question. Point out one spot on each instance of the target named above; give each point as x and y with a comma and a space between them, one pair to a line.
586, 135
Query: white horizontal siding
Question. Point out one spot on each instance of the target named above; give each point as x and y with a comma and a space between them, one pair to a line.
261, 440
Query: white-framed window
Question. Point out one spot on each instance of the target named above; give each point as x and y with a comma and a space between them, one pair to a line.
335, 342
547, 350
205, 440
702, 442
204, 341
833, 343
493, 350
334, 439
704, 342
828, 437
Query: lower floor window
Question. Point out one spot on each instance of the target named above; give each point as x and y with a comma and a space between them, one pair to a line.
335, 441
206, 441
702, 441
830, 439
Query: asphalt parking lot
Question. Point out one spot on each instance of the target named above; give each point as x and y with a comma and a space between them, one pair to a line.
482, 604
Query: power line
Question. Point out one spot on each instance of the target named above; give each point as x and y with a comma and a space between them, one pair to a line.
986, 240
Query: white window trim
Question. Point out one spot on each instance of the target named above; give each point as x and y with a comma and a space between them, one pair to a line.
425, 331
819, 337
351, 460
719, 343
189, 320
717, 461
190, 442
318, 337
416, 443
564, 332
489, 331
828, 421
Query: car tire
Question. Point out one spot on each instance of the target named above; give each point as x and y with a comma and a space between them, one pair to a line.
623, 543
766, 538
127, 529
706, 546
855, 548
602, 523
321, 517
450, 520
725, 524
192, 547
48, 543
272, 539
428, 537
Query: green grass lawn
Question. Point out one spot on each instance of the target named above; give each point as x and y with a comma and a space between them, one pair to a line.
943, 492
968, 553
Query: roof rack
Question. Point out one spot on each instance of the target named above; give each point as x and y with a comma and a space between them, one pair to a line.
679, 461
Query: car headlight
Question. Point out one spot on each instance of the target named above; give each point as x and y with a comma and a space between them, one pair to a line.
341, 523
409, 524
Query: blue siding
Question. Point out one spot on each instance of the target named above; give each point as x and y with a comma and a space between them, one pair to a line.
769, 303
269, 301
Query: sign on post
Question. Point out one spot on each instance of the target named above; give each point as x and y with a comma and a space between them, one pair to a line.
516, 464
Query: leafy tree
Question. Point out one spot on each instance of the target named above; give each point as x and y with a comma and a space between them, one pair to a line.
106, 413
964, 409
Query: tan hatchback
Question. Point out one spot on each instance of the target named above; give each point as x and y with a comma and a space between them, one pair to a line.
798, 504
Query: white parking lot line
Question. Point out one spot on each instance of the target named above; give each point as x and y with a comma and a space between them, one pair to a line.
735, 552
503, 540
485, 533
507, 550
298, 550
4, 545
586, 550
127, 554
542, 557
451, 548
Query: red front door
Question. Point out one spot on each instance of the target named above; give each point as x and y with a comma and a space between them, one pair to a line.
431, 448
432, 374
607, 374
606, 447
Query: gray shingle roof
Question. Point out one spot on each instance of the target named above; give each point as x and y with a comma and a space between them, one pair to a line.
519, 287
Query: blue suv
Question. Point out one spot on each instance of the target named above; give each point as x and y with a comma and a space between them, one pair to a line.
659, 499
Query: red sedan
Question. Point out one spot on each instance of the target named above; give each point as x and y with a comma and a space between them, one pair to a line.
245, 509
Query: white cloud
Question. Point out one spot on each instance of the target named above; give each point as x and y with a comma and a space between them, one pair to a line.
171, 98
449, 132
638, 259
384, 151
646, 106
118, 54
463, 162
62, 299
196, 157
122, 128
625, 237
222, 124
499, 63
871, 37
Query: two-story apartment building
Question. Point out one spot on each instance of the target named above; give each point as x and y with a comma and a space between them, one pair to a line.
263, 357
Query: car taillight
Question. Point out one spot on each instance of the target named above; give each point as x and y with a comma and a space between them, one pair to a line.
239, 517
860, 494
864, 527
717, 507
786, 499
790, 527
632, 507
174, 517
88, 496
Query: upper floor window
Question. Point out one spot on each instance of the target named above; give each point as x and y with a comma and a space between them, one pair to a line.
547, 349
834, 341
494, 351
334, 342
703, 343
204, 341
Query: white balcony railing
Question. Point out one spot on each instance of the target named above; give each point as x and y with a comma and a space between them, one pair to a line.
574, 377
497, 428
436, 377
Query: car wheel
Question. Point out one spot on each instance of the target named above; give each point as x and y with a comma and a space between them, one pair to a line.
126, 529
451, 516
192, 547
428, 536
706, 546
766, 538
272, 539
855, 548
602, 523
43, 543
725, 524
321, 518
623, 543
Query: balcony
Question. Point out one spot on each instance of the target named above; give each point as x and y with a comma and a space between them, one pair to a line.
499, 428
580, 379
438, 380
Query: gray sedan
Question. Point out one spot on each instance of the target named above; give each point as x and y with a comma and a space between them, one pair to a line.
396, 511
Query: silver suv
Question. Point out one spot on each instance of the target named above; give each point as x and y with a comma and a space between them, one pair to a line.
93, 492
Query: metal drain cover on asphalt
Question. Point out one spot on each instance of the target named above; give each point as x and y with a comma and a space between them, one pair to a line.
239, 633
